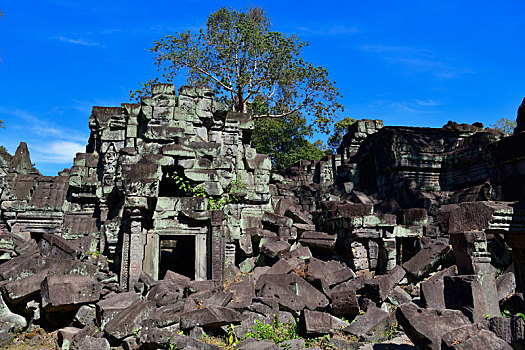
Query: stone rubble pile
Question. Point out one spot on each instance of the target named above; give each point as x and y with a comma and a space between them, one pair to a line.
171, 227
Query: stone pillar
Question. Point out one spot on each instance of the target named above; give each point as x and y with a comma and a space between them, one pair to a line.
132, 251
473, 290
217, 245
201, 255
136, 251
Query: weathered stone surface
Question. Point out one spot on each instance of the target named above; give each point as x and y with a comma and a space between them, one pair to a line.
399, 296
426, 327
344, 302
505, 284
112, 305
319, 323
253, 344
511, 330
90, 343
473, 336
275, 249
475, 295
373, 320
211, 317
379, 288
85, 316
158, 338
61, 292
129, 320
431, 253
432, 290
165, 292
291, 291
243, 292
319, 240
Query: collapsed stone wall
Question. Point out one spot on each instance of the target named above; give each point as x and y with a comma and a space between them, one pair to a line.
380, 192
116, 244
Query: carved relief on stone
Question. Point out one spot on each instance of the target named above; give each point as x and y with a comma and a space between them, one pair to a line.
110, 159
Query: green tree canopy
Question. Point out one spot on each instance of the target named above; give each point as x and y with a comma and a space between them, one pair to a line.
247, 64
284, 140
505, 125
340, 129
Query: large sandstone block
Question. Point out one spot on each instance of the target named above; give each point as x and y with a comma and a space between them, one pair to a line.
432, 252
426, 327
112, 305
129, 320
291, 292
473, 336
211, 317
66, 292
319, 323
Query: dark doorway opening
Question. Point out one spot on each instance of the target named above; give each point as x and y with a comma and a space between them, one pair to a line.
177, 254
406, 248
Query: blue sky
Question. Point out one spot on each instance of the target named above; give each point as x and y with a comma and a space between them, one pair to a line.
408, 62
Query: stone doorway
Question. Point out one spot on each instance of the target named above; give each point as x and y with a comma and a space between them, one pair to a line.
177, 253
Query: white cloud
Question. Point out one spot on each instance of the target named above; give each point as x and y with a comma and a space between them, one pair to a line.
416, 59
328, 31
81, 42
427, 102
57, 151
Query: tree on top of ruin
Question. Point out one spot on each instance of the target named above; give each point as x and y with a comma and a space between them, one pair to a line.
253, 69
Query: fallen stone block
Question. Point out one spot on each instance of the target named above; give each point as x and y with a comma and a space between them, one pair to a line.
431, 253
379, 288
90, 343
399, 296
165, 292
161, 338
243, 292
291, 292
85, 316
331, 272
473, 336
254, 344
474, 295
285, 207
320, 323
510, 329
68, 292
57, 247
275, 249
210, 317
373, 321
22, 266
21, 290
426, 327
218, 299
112, 305
128, 321
506, 285
65, 336
280, 267
318, 240
345, 303
432, 292
166, 315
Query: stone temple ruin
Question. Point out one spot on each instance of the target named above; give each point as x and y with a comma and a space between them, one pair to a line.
401, 218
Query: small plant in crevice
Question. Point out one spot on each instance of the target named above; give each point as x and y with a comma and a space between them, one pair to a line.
276, 331
231, 194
